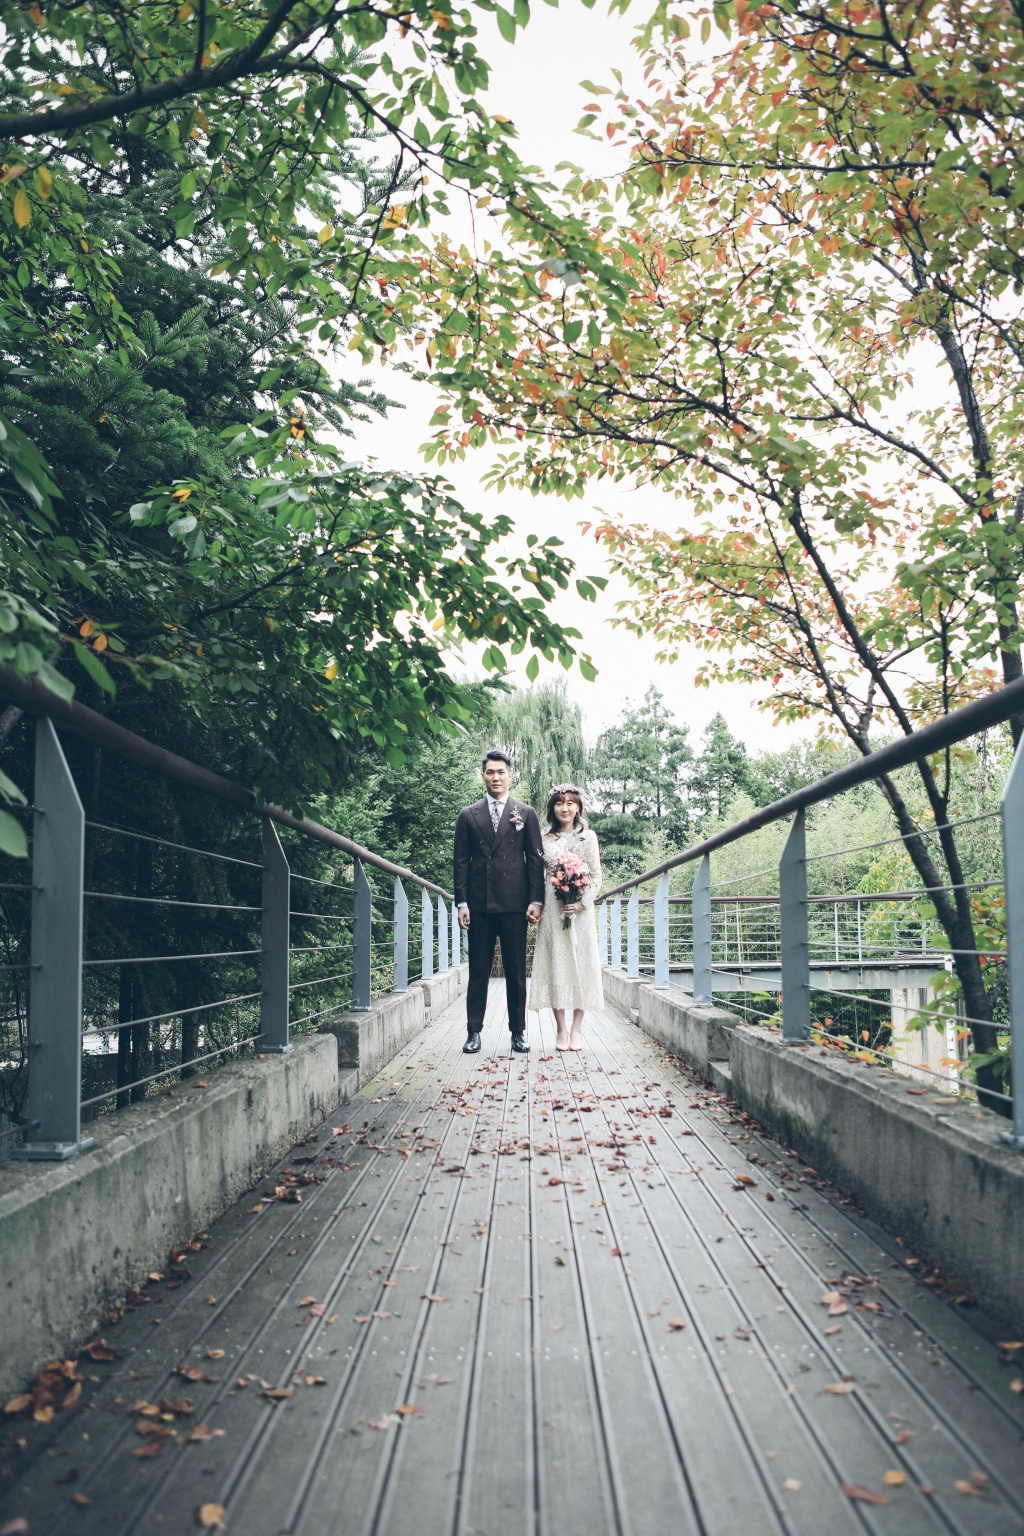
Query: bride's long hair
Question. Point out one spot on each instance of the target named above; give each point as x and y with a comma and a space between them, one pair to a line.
565, 792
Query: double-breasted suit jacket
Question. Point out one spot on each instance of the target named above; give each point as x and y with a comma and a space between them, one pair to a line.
499, 871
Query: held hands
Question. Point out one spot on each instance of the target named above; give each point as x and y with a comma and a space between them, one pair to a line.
533, 912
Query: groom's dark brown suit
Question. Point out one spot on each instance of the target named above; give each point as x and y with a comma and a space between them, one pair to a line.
498, 874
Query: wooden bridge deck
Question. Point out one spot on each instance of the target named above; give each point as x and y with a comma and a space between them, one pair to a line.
533, 1296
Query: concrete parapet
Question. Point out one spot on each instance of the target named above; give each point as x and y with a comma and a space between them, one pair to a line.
367, 1041
75, 1236
936, 1174
699, 1035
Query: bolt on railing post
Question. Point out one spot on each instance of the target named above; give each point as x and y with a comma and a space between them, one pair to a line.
362, 941
427, 930
602, 932
53, 1105
442, 934
700, 910
633, 933
796, 980
276, 944
661, 910
617, 934
400, 982
1012, 809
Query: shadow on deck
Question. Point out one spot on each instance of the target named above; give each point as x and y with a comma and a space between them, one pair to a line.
549, 1295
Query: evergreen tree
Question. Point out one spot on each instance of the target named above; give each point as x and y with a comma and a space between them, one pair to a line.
639, 766
720, 769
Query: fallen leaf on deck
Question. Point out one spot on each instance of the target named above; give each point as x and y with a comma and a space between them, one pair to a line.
792, 1485
438, 1381
384, 1422
863, 1494
203, 1434
155, 1275
18, 1404
80, 1499
1011, 1344
316, 1381
307, 1301
99, 1349
17, 1527
361, 1319
744, 1178
152, 1447
1017, 1385
838, 1388
676, 1323
894, 1478
277, 1394
211, 1516
409, 1409
905, 1435
559, 1260
189, 1372
177, 1405
215, 1354
141, 1405
962, 1486
433, 1296
831, 1332
653, 1311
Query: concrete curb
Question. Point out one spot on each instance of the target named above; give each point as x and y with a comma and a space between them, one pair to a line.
74, 1237
938, 1176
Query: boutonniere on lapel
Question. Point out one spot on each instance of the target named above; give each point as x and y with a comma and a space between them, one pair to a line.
516, 819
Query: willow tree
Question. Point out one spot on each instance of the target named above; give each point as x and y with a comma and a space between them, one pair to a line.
821, 353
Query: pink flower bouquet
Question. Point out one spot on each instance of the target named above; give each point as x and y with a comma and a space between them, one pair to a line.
570, 877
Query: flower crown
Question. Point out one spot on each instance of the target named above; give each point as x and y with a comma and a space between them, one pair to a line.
566, 789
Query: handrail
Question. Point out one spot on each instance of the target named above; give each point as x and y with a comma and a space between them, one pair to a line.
993, 709
31, 696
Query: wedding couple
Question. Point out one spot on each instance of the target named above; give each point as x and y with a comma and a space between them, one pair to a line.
508, 872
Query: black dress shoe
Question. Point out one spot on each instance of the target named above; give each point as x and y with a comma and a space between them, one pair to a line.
472, 1044
519, 1044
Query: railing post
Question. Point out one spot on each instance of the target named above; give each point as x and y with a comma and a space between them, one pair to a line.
633, 933
796, 981
700, 917
456, 936
427, 930
401, 933
617, 934
53, 1105
362, 941
661, 932
276, 941
602, 932
442, 934
1012, 808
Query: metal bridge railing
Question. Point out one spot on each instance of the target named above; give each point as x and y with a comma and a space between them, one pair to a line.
105, 999
790, 942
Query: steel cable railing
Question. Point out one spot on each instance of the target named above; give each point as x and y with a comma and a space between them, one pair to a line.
105, 995
782, 957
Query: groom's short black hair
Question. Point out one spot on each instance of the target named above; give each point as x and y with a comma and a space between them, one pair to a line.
496, 755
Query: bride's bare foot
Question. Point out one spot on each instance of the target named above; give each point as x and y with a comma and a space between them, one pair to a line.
562, 1038
576, 1033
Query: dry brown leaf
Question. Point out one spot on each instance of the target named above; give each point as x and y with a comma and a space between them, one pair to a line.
384, 1422
152, 1447
744, 1178
407, 1409
676, 1324
316, 1381
894, 1478
203, 1434
559, 1260
15, 1527
189, 1372
81, 1500
1011, 1344
864, 1494
211, 1517
1017, 1386
962, 1486
277, 1394
839, 1389
792, 1485
905, 1435
99, 1349
215, 1354
18, 1404
177, 1405
45, 1414
307, 1301
433, 1296
831, 1332
155, 1276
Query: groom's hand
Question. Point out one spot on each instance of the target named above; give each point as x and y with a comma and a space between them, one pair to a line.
463, 917
533, 912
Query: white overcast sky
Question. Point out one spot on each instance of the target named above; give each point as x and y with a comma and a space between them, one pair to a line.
536, 83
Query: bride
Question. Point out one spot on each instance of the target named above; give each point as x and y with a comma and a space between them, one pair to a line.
566, 965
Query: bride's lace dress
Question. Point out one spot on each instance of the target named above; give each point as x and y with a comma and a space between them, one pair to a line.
566, 964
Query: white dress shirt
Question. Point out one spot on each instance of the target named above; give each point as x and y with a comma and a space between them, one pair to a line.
492, 801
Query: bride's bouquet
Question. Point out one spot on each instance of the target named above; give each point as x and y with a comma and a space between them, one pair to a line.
570, 877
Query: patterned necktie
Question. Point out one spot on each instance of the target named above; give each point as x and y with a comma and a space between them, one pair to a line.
495, 814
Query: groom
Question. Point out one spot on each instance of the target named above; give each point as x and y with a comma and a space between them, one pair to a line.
499, 886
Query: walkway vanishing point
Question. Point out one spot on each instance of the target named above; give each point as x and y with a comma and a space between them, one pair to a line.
555, 1294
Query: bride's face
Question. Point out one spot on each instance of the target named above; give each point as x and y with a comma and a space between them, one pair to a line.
565, 811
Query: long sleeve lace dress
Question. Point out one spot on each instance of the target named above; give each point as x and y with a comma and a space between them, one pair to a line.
566, 965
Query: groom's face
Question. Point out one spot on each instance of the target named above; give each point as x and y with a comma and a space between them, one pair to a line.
496, 777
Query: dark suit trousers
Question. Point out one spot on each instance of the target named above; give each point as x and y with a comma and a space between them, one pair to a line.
509, 930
